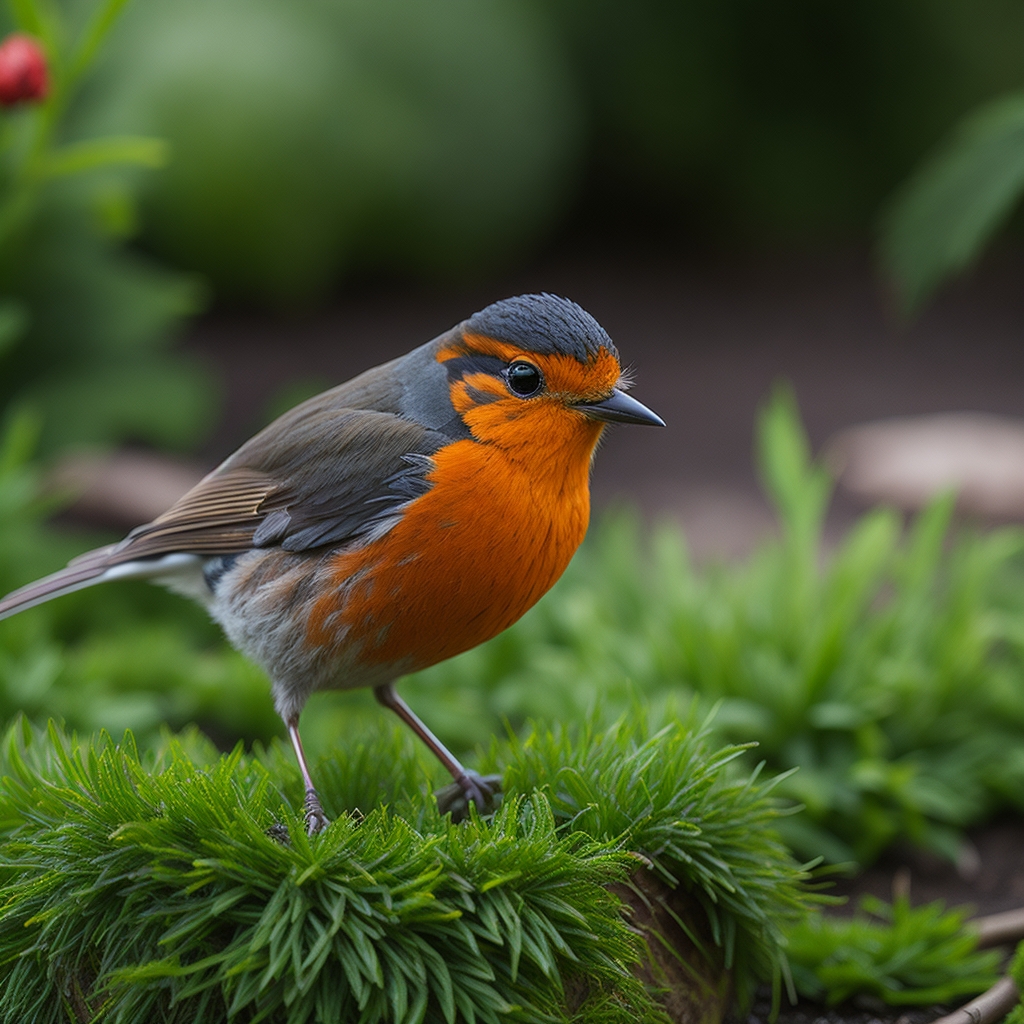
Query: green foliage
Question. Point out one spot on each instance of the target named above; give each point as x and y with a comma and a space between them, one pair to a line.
84, 325
956, 200
902, 955
150, 887
665, 797
311, 136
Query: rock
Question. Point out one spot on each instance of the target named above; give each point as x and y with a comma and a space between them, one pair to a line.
907, 461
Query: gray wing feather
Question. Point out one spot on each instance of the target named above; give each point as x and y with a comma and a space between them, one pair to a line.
316, 477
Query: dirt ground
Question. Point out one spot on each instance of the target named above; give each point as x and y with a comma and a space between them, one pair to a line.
810, 1013
991, 885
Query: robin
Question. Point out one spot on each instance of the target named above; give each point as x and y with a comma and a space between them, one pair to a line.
395, 520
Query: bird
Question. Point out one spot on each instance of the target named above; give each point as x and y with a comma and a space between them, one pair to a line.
395, 520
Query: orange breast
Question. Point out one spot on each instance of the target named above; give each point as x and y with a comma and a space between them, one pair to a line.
470, 556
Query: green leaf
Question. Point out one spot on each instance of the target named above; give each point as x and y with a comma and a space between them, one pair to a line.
955, 201
99, 25
799, 489
902, 955
91, 154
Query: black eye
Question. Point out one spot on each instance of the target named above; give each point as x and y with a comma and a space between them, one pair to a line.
524, 379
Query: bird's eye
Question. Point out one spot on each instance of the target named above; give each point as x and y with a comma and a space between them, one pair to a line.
524, 379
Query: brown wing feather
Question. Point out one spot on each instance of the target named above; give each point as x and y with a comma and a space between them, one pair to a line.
238, 492
80, 573
219, 515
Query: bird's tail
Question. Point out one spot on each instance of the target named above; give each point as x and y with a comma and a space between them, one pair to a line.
93, 567
82, 572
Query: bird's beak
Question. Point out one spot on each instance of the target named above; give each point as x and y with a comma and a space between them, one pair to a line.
620, 408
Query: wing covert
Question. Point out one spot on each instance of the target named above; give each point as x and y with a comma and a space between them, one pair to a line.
324, 477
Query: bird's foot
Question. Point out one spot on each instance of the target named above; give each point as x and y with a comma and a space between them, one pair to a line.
316, 820
470, 788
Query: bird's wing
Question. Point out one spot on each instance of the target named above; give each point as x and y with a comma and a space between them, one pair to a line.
317, 476
327, 477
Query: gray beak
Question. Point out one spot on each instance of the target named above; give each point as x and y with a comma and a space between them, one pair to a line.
620, 408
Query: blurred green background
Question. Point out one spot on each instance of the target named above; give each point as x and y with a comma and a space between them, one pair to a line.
320, 138
314, 145
285, 152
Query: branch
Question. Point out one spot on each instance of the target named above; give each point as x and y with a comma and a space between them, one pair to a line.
999, 929
989, 1007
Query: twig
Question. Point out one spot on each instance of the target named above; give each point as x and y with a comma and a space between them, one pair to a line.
989, 1007
998, 929
1003, 996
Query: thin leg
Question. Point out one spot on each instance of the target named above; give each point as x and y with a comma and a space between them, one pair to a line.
315, 817
468, 786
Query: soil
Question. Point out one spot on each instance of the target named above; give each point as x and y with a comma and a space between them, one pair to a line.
990, 884
812, 1013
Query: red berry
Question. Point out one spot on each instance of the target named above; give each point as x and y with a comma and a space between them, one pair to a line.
23, 74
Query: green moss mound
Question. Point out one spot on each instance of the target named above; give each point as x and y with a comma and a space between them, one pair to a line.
181, 887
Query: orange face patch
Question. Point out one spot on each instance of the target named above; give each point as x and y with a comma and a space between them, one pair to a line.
565, 377
495, 415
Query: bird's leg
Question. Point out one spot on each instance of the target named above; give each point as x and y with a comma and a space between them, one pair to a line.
469, 785
315, 817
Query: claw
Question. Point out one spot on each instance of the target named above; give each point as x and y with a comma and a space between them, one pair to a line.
471, 787
316, 820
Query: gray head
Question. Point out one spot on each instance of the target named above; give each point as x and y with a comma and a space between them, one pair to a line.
545, 324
